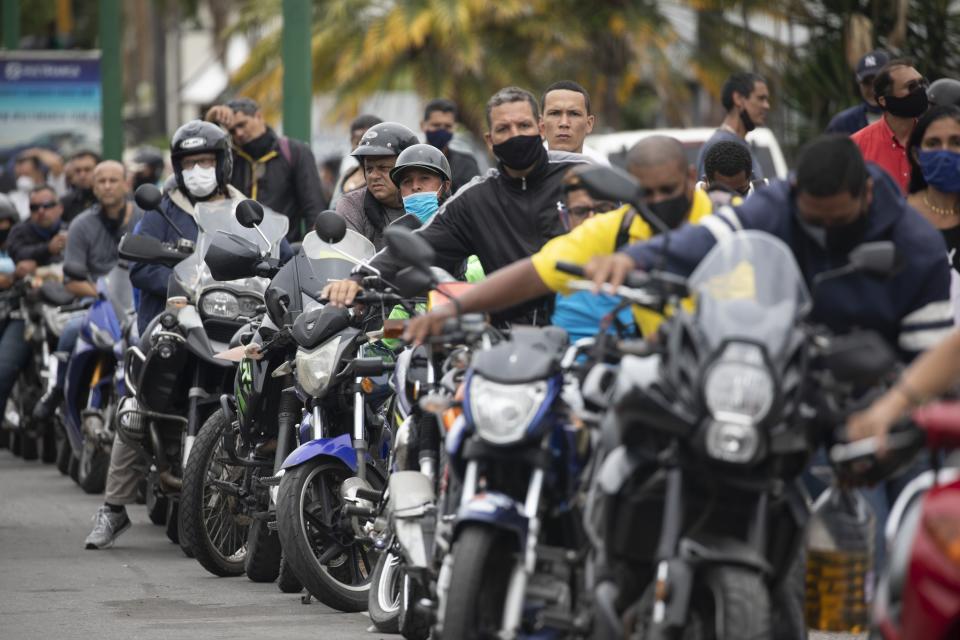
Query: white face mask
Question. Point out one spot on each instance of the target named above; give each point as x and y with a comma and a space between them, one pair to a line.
199, 181
24, 184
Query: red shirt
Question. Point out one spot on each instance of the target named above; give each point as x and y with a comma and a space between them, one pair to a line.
878, 144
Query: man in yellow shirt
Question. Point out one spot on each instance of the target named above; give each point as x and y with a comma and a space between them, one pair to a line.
660, 165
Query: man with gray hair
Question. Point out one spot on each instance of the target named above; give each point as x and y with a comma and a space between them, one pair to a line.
501, 217
274, 170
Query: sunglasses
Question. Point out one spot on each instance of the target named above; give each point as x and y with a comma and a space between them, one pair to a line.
43, 205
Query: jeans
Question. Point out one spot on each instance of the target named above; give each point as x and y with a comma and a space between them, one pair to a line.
14, 355
68, 340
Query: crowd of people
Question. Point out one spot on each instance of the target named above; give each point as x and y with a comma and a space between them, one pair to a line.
887, 169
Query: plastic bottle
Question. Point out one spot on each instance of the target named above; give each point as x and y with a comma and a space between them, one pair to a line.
840, 576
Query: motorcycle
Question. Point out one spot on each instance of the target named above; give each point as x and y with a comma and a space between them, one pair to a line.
175, 380
329, 485
94, 380
917, 596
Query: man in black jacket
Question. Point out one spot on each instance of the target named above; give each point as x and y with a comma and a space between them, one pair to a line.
439, 119
275, 170
504, 216
40, 239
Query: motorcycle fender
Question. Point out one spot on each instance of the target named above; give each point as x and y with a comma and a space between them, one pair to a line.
722, 551
340, 448
497, 510
414, 519
409, 492
616, 469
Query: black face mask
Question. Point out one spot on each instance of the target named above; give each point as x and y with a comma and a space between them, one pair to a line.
747, 121
520, 152
912, 105
3, 236
673, 212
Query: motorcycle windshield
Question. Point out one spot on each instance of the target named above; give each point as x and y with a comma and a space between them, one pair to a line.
116, 287
749, 287
331, 261
220, 217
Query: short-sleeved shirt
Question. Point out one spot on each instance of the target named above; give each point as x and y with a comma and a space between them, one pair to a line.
91, 244
879, 145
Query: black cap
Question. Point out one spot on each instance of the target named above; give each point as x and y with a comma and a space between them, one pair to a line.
870, 64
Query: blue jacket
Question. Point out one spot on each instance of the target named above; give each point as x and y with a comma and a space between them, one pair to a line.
911, 309
849, 121
152, 279
580, 313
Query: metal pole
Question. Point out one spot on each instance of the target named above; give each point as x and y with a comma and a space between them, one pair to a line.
11, 24
297, 69
111, 79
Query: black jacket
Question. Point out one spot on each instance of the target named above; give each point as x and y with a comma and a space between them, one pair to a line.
28, 241
288, 187
76, 202
500, 220
464, 168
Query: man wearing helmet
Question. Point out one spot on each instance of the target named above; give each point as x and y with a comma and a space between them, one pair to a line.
370, 209
945, 91
202, 163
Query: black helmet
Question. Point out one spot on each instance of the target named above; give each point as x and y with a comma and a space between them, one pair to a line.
385, 139
8, 210
196, 137
149, 156
424, 156
944, 91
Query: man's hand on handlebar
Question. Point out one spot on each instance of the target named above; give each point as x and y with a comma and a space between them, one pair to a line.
341, 292
611, 269
877, 419
422, 327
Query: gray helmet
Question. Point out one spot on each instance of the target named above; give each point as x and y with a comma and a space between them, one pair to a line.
196, 137
385, 139
944, 91
424, 156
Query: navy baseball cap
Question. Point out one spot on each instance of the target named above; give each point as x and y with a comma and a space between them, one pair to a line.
871, 63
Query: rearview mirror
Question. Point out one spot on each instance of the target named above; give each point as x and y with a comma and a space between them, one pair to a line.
409, 247
330, 227
875, 258
149, 250
249, 213
861, 357
413, 281
147, 197
610, 183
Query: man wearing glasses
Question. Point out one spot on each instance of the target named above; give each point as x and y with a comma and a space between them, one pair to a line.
901, 92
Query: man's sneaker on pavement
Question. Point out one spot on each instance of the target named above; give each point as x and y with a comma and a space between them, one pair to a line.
108, 525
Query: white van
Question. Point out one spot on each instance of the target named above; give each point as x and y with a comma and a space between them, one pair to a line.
763, 143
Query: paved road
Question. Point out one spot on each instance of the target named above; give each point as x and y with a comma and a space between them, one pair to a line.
143, 588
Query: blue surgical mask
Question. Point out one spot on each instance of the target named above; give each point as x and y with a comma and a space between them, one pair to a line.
423, 205
941, 170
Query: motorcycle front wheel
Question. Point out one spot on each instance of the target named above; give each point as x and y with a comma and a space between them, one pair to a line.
478, 585
214, 528
330, 563
384, 604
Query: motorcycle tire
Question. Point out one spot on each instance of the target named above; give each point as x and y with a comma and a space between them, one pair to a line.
325, 582
64, 453
263, 553
16, 442
49, 452
157, 505
385, 593
92, 470
287, 581
73, 469
172, 528
221, 557
478, 587
4, 437
414, 623
29, 447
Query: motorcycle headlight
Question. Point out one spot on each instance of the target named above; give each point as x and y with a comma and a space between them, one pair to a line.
502, 412
220, 304
732, 440
248, 305
315, 367
740, 386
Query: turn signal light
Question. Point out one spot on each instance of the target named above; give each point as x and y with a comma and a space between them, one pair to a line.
944, 528
393, 328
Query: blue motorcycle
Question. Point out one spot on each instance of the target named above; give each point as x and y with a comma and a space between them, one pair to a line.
94, 381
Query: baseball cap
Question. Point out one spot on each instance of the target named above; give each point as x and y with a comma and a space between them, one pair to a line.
871, 63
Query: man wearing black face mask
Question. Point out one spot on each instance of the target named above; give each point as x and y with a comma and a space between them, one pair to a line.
504, 216
439, 119
902, 93
833, 203
746, 98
